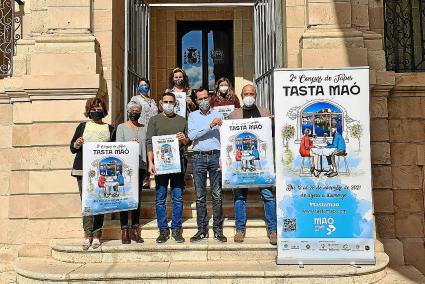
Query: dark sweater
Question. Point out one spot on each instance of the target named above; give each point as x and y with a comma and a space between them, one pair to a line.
78, 160
163, 125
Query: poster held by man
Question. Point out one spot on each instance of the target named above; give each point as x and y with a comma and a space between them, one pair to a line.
180, 108
224, 111
247, 153
323, 167
166, 154
110, 177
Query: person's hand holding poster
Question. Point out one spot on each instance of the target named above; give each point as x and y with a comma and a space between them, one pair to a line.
166, 154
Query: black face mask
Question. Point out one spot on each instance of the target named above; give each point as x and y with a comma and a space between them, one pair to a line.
96, 115
134, 116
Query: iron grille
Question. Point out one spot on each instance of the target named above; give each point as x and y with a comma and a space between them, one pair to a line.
405, 35
10, 33
137, 45
267, 47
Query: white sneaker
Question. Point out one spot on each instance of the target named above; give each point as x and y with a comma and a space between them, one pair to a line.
96, 243
87, 243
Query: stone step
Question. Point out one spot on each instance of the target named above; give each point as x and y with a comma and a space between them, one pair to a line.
209, 250
149, 229
35, 270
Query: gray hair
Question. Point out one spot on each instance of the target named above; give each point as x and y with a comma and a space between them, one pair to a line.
133, 104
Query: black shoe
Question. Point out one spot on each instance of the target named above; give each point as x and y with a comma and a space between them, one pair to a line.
218, 235
177, 235
199, 236
164, 235
329, 172
312, 170
316, 173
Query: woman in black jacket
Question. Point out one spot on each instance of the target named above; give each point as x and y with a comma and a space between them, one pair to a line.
94, 130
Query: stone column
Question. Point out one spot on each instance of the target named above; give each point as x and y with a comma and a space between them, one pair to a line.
337, 35
57, 70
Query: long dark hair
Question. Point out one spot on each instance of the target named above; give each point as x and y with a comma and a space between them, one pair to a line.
171, 79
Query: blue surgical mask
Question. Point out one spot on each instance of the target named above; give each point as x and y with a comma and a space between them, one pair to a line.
143, 89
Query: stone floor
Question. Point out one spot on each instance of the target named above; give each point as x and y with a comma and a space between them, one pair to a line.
395, 275
402, 275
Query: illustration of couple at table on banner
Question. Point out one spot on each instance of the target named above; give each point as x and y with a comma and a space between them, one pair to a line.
321, 140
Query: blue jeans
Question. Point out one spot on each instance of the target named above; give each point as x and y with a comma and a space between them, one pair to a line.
177, 186
203, 163
269, 201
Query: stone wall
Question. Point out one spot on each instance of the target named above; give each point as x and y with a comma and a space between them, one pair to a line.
74, 51
57, 67
406, 111
398, 137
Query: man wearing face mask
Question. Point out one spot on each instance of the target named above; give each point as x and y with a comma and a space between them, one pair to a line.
250, 110
168, 123
203, 131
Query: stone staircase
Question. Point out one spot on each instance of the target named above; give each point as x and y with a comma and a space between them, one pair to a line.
205, 262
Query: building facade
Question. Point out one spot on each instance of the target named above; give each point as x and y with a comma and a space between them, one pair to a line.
63, 52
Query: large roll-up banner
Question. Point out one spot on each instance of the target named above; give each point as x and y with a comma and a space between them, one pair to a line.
323, 167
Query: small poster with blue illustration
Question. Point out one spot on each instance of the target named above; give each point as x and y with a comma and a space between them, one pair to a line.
224, 111
247, 153
110, 177
323, 167
180, 108
166, 154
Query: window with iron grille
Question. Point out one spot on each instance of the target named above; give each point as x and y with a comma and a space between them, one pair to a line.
10, 32
405, 35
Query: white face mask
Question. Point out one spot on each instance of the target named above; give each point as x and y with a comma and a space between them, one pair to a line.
223, 89
204, 105
168, 108
249, 101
